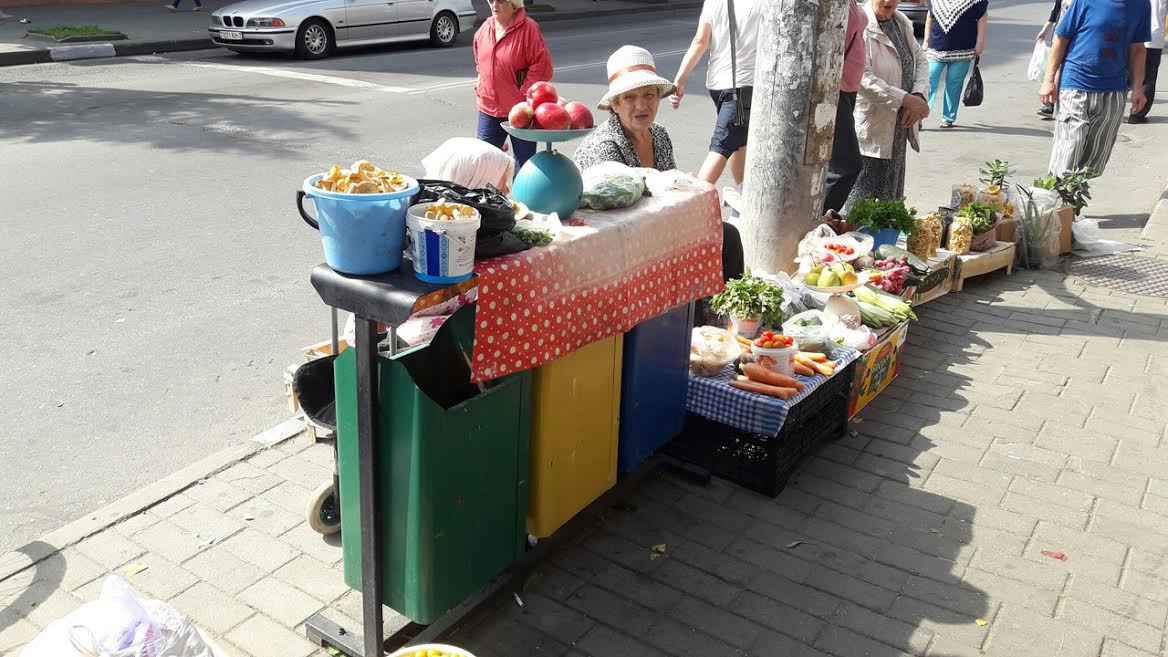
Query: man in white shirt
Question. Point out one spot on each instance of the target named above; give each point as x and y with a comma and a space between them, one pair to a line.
1154, 49
713, 34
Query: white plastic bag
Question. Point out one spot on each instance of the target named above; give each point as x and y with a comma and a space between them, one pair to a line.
813, 247
711, 350
611, 185
796, 296
1037, 67
121, 624
1089, 242
809, 328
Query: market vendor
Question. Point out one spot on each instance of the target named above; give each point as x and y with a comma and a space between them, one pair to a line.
632, 137
471, 163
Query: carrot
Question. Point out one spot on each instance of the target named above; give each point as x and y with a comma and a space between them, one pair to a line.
741, 339
803, 370
761, 374
763, 389
814, 355
822, 368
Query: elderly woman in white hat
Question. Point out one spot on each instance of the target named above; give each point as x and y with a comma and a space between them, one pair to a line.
630, 135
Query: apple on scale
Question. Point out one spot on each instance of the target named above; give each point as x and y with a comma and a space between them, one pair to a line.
549, 181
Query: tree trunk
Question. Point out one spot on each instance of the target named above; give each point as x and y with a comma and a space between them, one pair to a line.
796, 90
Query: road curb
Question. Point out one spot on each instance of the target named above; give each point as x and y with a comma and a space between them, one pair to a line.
38, 550
101, 50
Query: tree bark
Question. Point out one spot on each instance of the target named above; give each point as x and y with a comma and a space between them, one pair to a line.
796, 90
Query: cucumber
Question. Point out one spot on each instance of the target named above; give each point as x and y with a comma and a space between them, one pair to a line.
889, 251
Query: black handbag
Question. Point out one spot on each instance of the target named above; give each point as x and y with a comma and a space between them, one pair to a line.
742, 95
975, 90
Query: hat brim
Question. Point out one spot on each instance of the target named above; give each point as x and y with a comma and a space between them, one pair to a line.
636, 80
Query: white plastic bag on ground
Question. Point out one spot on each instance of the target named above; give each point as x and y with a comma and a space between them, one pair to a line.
1037, 67
1089, 242
122, 624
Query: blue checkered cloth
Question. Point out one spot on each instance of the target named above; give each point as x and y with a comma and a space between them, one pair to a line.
713, 398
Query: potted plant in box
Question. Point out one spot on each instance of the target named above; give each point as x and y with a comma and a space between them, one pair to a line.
883, 220
1073, 187
750, 303
1036, 233
984, 219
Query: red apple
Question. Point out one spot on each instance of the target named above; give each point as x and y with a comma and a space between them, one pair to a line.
550, 116
562, 102
543, 92
521, 115
579, 115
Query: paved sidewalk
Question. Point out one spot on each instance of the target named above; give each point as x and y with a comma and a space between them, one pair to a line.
152, 28
1028, 421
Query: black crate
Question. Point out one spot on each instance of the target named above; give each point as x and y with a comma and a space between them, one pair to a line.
764, 463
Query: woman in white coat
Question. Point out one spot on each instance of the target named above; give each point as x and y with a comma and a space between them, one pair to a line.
891, 103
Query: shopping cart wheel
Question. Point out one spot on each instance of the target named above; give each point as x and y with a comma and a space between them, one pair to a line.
324, 509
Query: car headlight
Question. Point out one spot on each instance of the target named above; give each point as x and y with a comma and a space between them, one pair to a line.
265, 22
215, 20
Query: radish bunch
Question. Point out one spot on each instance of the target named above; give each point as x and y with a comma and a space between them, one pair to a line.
893, 273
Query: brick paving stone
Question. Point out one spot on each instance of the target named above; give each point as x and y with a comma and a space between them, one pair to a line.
172, 505
771, 558
173, 542
903, 514
223, 569
964, 491
851, 588
260, 550
697, 582
903, 636
956, 596
137, 523
266, 516
266, 457
559, 621
794, 595
1022, 632
1129, 605
1096, 557
919, 563
638, 587
1003, 589
1113, 648
846, 643
1109, 623
161, 578
249, 477
1021, 524
1052, 512
1024, 459
792, 621
1041, 575
611, 609
109, 548
855, 520
281, 601
825, 489
1131, 533
313, 577
605, 642
1085, 483
944, 646
263, 637
627, 553
217, 494
976, 474
683, 641
301, 471
914, 496
68, 569
956, 626
731, 628
716, 563
15, 632
42, 603
303, 538
823, 531
764, 508
211, 608
291, 496
714, 513
206, 522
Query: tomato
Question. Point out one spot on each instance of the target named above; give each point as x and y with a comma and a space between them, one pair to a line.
851, 251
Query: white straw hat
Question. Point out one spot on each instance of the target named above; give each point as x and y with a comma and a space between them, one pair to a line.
631, 68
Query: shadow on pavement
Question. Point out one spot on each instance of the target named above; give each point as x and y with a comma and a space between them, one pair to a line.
26, 590
59, 112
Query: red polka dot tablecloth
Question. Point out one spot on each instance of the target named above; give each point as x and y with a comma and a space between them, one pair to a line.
616, 270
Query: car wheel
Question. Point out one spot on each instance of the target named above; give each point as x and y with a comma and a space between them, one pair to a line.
444, 31
314, 39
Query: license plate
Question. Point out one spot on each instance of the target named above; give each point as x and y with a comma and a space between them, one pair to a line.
231, 36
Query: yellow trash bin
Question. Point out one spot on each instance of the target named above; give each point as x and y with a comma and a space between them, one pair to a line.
575, 419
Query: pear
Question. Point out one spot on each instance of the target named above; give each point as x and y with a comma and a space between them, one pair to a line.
812, 277
827, 278
849, 278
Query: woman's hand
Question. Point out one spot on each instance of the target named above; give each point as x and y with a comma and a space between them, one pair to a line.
678, 94
915, 110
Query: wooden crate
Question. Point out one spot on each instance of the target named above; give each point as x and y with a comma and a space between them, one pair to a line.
984, 262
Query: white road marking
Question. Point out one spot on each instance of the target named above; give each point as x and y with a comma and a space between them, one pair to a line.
559, 69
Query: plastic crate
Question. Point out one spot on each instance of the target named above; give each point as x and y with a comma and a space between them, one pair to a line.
764, 463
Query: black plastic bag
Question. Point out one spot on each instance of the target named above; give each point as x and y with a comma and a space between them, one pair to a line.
975, 90
497, 216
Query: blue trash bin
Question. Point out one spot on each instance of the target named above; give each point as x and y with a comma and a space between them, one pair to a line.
654, 381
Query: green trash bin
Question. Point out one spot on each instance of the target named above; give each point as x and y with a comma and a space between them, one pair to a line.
453, 494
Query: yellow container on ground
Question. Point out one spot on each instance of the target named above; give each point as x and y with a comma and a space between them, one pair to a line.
575, 419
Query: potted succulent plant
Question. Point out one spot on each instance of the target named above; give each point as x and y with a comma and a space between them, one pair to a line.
883, 220
1035, 234
750, 303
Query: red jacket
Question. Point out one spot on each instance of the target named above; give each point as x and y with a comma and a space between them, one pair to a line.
500, 62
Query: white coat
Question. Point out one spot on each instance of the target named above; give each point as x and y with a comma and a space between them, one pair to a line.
880, 95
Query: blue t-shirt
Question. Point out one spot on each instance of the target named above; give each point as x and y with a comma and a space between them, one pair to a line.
963, 34
1100, 33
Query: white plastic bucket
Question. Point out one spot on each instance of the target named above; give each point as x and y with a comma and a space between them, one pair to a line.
776, 360
410, 651
442, 250
746, 327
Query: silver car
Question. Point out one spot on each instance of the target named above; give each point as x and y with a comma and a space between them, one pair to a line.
315, 28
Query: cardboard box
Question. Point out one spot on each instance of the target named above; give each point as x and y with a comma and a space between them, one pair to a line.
877, 368
936, 284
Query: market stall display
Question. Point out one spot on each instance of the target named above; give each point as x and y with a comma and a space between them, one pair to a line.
877, 368
549, 182
1001, 256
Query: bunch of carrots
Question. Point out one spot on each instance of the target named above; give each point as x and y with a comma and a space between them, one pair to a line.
758, 379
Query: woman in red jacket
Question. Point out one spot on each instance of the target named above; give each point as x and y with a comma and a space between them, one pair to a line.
510, 56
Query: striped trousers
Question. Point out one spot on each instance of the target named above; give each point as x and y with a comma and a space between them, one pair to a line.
1085, 129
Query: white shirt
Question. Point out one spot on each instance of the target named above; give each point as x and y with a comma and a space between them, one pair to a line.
747, 15
1159, 12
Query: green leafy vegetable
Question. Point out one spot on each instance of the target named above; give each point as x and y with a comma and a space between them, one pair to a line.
981, 216
875, 215
750, 297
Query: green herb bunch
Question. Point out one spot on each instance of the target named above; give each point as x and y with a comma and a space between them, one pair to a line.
750, 297
981, 216
875, 215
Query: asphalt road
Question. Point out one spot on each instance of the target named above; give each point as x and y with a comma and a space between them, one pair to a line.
156, 273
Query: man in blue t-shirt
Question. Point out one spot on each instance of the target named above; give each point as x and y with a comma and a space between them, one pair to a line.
1097, 55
